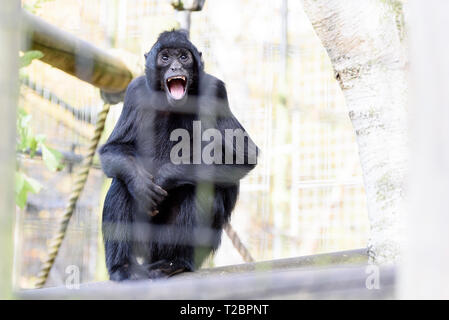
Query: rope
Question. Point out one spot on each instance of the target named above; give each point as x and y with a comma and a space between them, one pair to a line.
81, 178
238, 244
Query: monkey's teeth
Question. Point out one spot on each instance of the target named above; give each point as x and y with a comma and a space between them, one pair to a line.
177, 77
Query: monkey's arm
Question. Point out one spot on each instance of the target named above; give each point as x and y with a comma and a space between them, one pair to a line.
118, 157
118, 154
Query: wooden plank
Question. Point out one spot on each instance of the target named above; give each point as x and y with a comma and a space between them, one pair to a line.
332, 275
337, 282
74, 56
342, 257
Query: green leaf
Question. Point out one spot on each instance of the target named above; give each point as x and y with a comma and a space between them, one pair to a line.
19, 181
29, 56
24, 185
33, 146
24, 132
21, 112
21, 198
33, 6
52, 158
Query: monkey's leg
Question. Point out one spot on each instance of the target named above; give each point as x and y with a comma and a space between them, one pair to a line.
172, 234
193, 229
119, 234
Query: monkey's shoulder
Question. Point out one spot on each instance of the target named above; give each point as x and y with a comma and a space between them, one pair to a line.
212, 84
210, 80
137, 94
136, 86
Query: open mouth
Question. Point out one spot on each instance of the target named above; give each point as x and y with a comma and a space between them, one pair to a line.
177, 86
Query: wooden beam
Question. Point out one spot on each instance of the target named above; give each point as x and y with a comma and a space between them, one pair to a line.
332, 275
337, 282
358, 256
74, 56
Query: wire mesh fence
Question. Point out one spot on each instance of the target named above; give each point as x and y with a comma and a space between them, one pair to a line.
305, 196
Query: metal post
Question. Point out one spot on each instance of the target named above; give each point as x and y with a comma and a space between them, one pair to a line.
183, 18
184, 10
423, 271
9, 41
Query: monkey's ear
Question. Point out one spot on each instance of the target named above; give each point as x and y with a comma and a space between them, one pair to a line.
145, 55
201, 54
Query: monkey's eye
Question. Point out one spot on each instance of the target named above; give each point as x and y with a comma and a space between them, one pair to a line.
183, 57
164, 58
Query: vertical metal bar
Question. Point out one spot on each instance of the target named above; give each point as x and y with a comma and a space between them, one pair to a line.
280, 200
183, 18
9, 41
284, 39
423, 271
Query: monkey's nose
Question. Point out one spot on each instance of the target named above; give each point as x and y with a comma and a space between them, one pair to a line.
175, 66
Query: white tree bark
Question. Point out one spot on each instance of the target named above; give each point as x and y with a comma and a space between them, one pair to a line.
424, 267
363, 41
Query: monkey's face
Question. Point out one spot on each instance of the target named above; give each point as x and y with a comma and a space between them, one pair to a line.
176, 67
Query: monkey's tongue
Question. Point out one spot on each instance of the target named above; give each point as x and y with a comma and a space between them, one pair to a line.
176, 88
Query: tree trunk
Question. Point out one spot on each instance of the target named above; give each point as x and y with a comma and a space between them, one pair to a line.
363, 40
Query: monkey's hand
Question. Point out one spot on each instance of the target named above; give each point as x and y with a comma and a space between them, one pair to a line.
171, 176
145, 192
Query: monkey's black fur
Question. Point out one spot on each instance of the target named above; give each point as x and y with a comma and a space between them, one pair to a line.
160, 218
